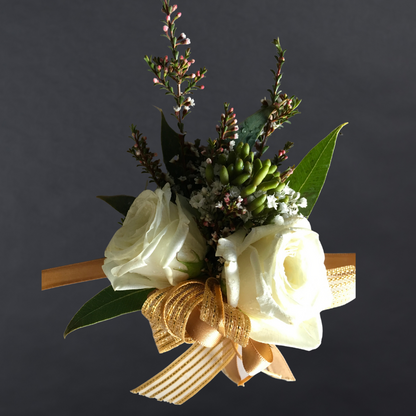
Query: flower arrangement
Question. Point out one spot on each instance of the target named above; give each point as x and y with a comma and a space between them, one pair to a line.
221, 255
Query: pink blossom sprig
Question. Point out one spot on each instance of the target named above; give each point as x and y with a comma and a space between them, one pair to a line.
145, 157
176, 68
227, 131
228, 128
284, 107
282, 155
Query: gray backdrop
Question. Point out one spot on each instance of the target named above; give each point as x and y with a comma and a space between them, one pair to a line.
73, 79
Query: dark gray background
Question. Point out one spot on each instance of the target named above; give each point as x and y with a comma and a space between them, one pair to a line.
73, 79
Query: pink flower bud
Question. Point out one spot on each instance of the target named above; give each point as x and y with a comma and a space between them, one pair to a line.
155, 80
187, 41
178, 15
202, 87
165, 28
202, 76
159, 67
198, 74
181, 58
193, 76
174, 7
231, 109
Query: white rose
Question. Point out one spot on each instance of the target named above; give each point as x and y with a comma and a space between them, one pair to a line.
276, 275
155, 240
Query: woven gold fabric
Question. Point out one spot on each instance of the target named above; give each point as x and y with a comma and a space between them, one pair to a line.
342, 283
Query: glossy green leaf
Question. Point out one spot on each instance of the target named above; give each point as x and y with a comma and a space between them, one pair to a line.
252, 126
121, 203
309, 176
170, 145
107, 304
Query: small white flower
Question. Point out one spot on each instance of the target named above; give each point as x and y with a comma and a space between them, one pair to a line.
234, 192
303, 203
271, 202
218, 204
216, 186
232, 144
217, 169
177, 108
186, 108
278, 220
283, 208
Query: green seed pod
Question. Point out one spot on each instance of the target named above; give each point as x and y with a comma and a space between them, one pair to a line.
265, 186
230, 169
250, 157
238, 148
267, 163
224, 177
238, 166
268, 177
240, 179
280, 187
286, 200
260, 175
209, 173
248, 190
222, 159
257, 202
272, 169
276, 174
231, 157
257, 165
258, 210
245, 150
248, 167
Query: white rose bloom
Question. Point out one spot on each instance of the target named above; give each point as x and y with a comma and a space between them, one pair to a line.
276, 275
156, 233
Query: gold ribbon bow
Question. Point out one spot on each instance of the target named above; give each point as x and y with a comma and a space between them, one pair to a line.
193, 312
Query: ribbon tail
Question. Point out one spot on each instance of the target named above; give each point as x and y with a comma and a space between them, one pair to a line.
279, 367
231, 370
188, 374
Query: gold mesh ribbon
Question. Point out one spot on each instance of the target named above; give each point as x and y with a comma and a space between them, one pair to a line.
342, 283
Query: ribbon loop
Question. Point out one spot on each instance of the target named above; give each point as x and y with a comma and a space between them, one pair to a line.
235, 324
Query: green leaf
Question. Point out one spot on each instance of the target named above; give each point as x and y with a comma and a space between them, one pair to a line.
121, 203
170, 145
106, 305
309, 176
251, 127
